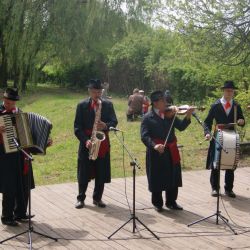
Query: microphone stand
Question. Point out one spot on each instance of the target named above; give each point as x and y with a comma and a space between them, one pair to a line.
30, 227
133, 217
218, 212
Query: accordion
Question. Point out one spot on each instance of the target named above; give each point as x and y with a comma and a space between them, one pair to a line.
29, 129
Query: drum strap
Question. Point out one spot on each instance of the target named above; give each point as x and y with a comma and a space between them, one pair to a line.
235, 117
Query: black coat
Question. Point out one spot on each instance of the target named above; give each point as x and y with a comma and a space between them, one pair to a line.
12, 178
84, 120
161, 173
218, 114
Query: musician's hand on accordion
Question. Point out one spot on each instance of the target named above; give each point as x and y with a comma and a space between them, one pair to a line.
2, 129
49, 142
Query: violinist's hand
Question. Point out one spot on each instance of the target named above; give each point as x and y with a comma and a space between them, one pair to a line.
2, 129
173, 108
159, 148
190, 110
207, 137
241, 122
88, 144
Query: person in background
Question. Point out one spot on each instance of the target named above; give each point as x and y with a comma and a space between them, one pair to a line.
100, 168
135, 102
105, 91
146, 102
223, 112
163, 166
168, 96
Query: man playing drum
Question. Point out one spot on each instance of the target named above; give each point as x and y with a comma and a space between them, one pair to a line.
224, 111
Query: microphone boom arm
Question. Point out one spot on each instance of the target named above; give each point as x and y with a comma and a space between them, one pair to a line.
208, 131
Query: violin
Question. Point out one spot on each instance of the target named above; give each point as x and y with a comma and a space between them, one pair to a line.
171, 111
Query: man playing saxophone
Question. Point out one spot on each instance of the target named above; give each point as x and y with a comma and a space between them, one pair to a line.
94, 117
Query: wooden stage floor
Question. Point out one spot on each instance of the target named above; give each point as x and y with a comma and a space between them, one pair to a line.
88, 228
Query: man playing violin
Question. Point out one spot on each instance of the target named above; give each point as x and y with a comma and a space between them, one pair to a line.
162, 156
223, 111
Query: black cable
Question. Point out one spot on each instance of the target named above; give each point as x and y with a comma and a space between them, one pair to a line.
234, 223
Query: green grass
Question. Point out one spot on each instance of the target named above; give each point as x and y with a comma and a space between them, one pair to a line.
59, 164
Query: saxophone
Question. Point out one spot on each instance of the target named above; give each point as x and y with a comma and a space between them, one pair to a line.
97, 136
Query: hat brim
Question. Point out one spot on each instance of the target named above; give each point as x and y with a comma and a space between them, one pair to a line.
156, 100
11, 97
90, 86
229, 87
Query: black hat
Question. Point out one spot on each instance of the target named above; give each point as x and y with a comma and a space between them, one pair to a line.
156, 96
95, 84
11, 94
229, 85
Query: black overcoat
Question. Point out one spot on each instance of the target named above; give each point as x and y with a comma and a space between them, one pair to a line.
218, 114
161, 173
12, 178
84, 121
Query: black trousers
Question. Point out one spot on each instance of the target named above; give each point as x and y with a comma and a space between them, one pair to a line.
21, 202
229, 179
170, 195
8, 205
14, 205
97, 193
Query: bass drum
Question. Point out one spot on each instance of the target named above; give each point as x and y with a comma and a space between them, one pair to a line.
230, 141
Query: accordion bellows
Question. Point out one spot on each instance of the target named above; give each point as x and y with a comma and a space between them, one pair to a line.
31, 131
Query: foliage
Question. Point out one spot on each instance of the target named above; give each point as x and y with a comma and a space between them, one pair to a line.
244, 99
126, 59
199, 45
226, 22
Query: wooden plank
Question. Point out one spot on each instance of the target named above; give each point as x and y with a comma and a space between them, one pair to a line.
89, 228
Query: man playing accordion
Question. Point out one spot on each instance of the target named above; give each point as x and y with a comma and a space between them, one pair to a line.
13, 170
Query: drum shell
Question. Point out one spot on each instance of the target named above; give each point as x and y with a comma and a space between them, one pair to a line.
229, 157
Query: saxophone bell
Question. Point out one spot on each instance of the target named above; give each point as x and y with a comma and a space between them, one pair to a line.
100, 136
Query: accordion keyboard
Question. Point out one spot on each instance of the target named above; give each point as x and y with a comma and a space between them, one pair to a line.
9, 134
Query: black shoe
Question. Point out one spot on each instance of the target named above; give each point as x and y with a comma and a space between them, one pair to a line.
158, 209
23, 218
174, 206
99, 203
79, 204
230, 194
10, 223
214, 193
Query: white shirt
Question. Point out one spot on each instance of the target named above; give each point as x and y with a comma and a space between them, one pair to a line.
157, 111
223, 102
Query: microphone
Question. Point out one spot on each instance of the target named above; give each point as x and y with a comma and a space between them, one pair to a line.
114, 129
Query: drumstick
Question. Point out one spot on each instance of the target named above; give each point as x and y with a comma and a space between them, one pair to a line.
203, 141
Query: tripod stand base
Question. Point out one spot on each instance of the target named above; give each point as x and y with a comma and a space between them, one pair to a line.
134, 227
29, 231
218, 215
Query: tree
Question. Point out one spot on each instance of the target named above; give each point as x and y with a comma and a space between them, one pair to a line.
226, 23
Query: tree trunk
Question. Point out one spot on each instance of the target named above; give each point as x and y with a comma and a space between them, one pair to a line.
23, 77
3, 70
